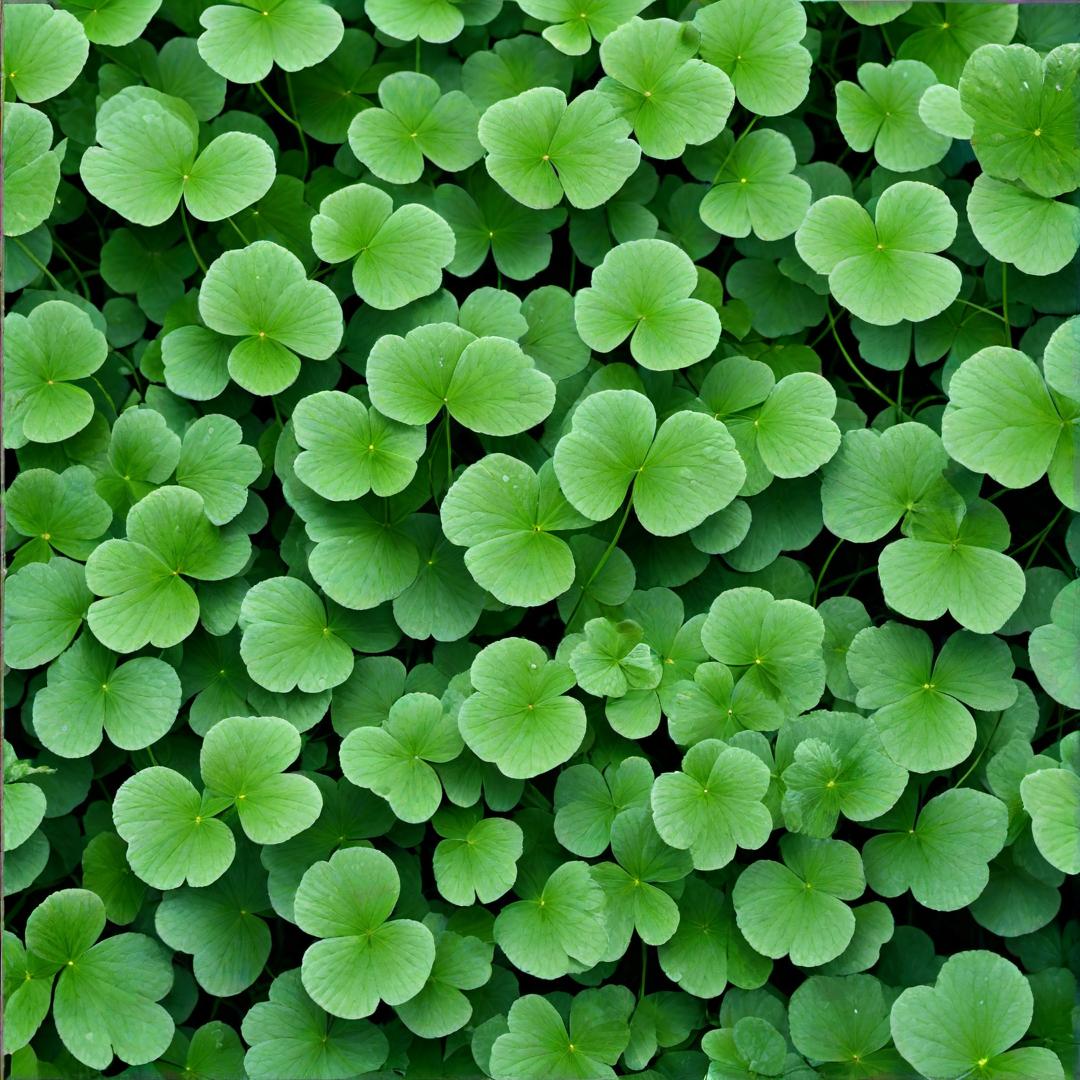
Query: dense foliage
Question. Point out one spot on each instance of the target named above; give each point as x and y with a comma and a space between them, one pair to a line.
542, 539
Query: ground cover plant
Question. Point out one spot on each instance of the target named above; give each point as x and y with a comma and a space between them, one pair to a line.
542, 539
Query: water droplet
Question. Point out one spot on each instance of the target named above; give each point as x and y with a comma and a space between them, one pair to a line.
506, 479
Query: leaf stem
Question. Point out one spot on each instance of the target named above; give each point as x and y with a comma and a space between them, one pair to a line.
603, 558
742, 135
854, 367
286, 115
1038, 539
299, 126
978, 307
416, 62
38, 263
644, 970
978, 757
190, 239
1005, 303
239, 232
449, 448
83, 287
824, 567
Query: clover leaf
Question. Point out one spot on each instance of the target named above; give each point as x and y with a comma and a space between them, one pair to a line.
220, 927
540, 148
655, 83
291, 638
216, 463
145, 597
46, 605
45, 355
614, 659
44, 51
920, 702
677, 475
558, 926
643, 288
416, 121
106, 998
135, 703
243, 41
537, 1046
520, 717
1024, 109
930, 571
777, 642
392, 760
796, 908
945, 43
31, 169
588, 801
477, 858
580, 22
996, 1003
292, 1038
59, 512
754, 189
364, 956
838, 765
486, 383
506, 516
1052, 798
440, 1008
882, 113
865, 258
1051, 646
713, 805
1018, 434
149, 159
757, 45
1036, 235
350, 450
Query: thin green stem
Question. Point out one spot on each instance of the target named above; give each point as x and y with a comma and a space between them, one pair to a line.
984, 310
190, 239
855, 367
888, 43
239, 232
275, 106
83, 287
299, 126
416, 62
978, 757
603, 558
900, 397
277, 412
1005, 303
150, 755
644, 970
38, 263
1038, 539
742, 135
449, 454
824, 567
573, 272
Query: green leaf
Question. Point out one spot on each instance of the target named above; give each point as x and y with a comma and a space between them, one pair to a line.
364, 957
1052, 798
642, 288
679, 476
796, 908
942, 855
45, 606
946, 43
261, 295
149, 159
506, 516
653, 82
558, 927
142, 579
60, 512
292, 1038
216, 463
393, 760
979, 1006
350, 450
1051, 646
536, 1045
920, 702
714, 804
134, 703
486, 383
44, 51
243, 42
840, 1019
520, 717
461, 963
882, 113
614, 659
243, 760
865, 258
1025, 109
1018, 433
1036, 235
113, 22
416, 122
291, 639
477, 858
757, 45
540, 148
578, 23
31, 169
171, 831
45, 354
